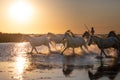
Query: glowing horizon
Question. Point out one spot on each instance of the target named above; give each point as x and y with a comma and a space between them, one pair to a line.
43, 16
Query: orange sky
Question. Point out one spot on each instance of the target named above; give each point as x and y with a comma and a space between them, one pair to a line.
42, 16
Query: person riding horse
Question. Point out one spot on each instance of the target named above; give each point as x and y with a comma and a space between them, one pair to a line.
92, 31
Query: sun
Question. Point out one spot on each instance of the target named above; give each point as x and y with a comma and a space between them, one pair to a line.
21, 11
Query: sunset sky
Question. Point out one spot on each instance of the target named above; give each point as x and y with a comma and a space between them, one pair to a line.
43, 16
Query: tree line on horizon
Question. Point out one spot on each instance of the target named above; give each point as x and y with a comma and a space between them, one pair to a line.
6, 37
18, 37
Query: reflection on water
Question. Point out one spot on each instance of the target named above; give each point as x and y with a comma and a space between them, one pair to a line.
110, 71
16, 64
20, 66
68, 65
21, 62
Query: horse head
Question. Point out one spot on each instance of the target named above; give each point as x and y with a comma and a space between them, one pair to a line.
86, 34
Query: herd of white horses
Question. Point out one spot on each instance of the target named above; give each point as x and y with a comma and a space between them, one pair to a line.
70, 40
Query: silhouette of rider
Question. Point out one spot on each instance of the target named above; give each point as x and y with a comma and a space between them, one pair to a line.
92, 31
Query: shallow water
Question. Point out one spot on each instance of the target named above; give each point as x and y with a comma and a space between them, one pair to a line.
17, 64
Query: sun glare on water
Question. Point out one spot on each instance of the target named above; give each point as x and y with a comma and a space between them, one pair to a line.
21, 11
20, 66
21, 62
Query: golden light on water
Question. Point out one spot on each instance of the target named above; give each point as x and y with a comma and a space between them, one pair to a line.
20, 64
21, 61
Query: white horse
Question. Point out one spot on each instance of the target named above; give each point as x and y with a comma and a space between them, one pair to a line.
74, 42
57, 39
37, 41
102, 44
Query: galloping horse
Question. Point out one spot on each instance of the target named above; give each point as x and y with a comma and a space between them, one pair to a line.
37, 41
74, 42
102, 44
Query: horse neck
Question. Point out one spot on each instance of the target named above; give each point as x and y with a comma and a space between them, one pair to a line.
69, 39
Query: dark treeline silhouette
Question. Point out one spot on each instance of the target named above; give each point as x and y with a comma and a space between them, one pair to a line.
18, 37
6, 37
15, 37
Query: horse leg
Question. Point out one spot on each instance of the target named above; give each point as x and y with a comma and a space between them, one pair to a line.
36, 50
101, 53
49, 48
63, 51
54, 45
31, 50
63, 46
73, 51
104, 53
85, 46
81, 47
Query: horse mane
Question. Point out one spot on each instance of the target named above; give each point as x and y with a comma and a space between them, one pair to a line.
112, 33
70, 33
67, 34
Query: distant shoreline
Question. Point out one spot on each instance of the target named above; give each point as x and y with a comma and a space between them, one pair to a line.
17, 37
